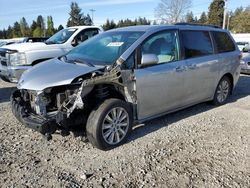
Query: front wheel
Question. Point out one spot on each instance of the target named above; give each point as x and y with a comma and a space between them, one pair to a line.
109, 124
222, 91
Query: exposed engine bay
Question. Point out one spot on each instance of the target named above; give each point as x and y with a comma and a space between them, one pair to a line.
62, 107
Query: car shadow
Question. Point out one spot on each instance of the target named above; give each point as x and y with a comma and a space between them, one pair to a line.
5, 94
242, 90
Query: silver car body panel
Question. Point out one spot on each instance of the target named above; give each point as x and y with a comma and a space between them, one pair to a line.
158, 89
52, 73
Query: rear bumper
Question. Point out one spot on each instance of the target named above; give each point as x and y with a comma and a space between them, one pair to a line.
12, 73
30, 120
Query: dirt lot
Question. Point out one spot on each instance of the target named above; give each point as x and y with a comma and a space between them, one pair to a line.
202, 146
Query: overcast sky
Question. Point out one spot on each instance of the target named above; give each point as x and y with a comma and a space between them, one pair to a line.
14, 10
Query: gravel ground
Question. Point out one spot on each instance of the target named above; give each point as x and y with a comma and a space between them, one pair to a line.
201, 146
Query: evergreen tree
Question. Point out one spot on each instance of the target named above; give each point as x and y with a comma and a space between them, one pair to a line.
50, 26
25, 30
190, 17
109, 25
142, 21
60, 27
5, 34
33, 27
155, 22
203, 18
9, 32
216, 12
1, 35
40, 27
240, 20
40, 22
238, 11
16, 31
76, 17
87, 20
38, 32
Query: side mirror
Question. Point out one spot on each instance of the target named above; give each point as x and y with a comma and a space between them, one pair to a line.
149, 59
74, 42
245, 49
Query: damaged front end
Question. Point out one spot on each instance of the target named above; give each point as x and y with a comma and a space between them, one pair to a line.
65, 107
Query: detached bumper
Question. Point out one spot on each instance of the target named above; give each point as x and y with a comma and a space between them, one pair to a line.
12, 73
30, 120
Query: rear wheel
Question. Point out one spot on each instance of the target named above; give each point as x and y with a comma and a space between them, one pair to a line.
109, 125
222, 91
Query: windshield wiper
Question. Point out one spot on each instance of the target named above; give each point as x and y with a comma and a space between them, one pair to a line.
74, 61
84, 62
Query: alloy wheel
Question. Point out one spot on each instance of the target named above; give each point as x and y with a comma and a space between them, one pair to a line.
115, 125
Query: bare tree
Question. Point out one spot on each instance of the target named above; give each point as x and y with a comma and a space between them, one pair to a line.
172, 11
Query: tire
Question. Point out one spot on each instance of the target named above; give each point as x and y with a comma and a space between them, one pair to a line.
5, 79
106, 132
222, 92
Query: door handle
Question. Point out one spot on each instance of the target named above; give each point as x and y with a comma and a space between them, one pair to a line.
192, 66
180, 69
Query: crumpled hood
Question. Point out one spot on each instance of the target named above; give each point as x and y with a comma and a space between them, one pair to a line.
52, 73
23, 47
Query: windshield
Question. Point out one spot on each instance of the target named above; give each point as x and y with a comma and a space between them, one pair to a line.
106, 48
61, 36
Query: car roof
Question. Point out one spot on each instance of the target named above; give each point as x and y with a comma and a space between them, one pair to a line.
150, 28
83, 27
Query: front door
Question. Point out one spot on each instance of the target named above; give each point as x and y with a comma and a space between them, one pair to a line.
160, 87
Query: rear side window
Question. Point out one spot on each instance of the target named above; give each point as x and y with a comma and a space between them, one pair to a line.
223, 42
196, 43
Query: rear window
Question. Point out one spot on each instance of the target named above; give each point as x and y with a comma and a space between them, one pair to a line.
196, 43
223, 42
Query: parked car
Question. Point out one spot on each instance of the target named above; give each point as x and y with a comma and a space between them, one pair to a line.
246, 48
242, 45
245, 64
8, 42
22, 40
127, 76
16, 58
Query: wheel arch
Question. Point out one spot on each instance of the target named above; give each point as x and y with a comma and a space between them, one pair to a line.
106, 91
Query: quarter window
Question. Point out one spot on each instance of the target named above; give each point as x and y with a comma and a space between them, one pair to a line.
164, 45
223, 42
196, 43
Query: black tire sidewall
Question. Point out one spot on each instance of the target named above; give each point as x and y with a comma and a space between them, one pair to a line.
95, 120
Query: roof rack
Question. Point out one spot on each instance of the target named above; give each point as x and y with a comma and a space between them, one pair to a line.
196, 24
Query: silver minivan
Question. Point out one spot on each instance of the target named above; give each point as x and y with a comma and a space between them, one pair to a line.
127, 76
